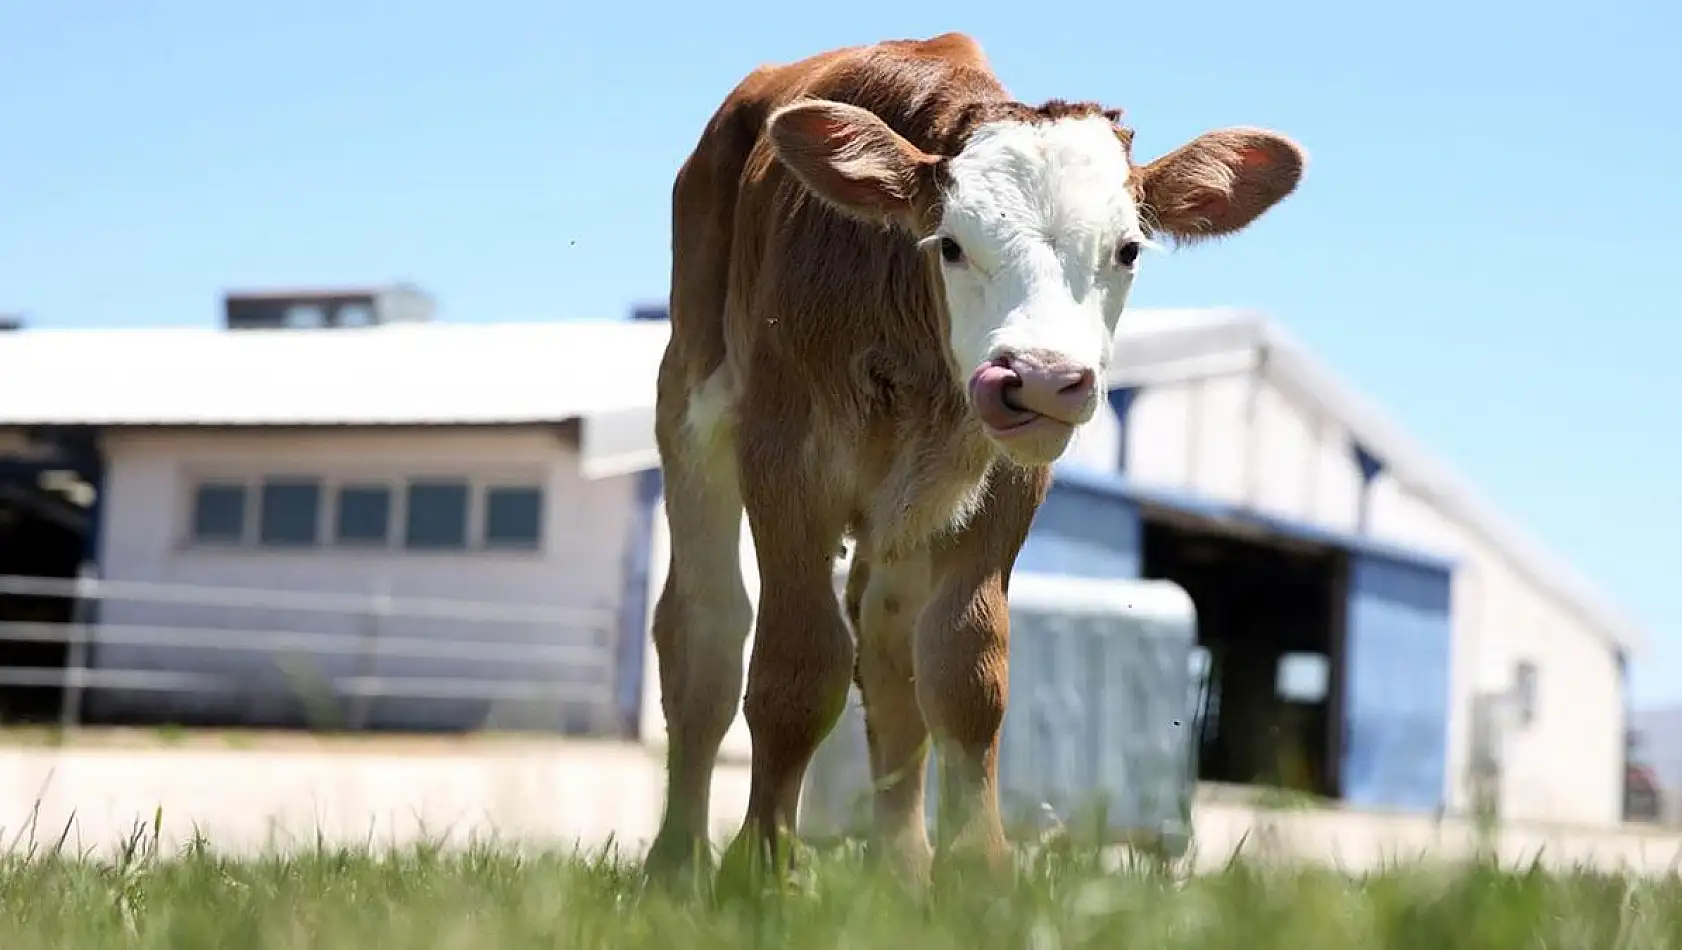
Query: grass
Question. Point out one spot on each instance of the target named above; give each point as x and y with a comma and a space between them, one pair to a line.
484, 897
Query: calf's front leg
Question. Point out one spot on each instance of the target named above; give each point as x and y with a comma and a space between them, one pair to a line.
963, 682
963, 665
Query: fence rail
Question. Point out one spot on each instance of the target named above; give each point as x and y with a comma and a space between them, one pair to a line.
262, 598
215, 638
122, 641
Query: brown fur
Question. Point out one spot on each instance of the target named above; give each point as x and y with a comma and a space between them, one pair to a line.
823, 327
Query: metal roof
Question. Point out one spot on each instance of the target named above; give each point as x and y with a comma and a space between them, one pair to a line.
397, 374
603, 373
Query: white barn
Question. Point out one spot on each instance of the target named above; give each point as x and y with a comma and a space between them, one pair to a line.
483, 463
1226, 408
472, 476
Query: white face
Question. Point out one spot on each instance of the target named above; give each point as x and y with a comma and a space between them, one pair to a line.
1038, 241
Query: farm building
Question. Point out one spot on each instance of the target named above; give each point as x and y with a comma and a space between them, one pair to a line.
1370, 630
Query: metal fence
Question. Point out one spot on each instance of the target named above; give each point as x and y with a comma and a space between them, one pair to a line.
128, 652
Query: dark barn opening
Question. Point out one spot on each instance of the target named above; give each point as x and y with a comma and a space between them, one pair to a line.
45, 520
1269, 630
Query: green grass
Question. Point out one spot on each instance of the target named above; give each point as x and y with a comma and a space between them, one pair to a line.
487, 897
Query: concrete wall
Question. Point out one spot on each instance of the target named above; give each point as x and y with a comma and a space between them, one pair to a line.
1249, 438
574, 576
282, 793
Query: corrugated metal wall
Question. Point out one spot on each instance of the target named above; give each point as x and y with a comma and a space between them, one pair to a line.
1398, 643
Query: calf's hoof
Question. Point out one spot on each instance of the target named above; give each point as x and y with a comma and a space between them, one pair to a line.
677, 862
973, 858
755, 861
908, 857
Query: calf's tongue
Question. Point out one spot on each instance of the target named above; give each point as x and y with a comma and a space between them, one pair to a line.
990, 388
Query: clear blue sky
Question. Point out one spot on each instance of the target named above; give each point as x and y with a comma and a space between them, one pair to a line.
1486, 240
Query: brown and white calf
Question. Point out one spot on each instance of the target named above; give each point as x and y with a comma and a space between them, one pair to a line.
893, 295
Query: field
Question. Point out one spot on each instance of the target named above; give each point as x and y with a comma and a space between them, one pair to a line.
489, 897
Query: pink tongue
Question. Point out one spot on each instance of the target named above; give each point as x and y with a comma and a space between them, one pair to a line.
992, 374
987, 387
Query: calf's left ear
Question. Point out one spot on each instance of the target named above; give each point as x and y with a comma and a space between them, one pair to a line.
851, 159
1219, 182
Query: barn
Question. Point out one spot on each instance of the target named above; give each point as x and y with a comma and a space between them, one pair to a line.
1370, 630
454, 498
477, 507
1464, 664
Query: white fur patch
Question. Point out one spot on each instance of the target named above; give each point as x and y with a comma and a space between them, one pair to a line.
1039, 210
710, 420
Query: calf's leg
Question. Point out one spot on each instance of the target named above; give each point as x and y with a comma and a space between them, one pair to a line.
884, 600
963, 663
700, 623
802, 656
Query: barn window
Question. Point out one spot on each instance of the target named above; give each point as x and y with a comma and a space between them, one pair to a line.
219, 513
513, 517
1524, 688
363, 516
437, 514
290, 512
1303, 677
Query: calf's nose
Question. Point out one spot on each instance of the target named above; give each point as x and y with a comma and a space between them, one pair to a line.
1055, 389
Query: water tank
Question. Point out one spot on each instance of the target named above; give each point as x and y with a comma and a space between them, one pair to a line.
1099, 732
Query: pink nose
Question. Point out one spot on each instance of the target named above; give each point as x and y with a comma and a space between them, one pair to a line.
1017, 388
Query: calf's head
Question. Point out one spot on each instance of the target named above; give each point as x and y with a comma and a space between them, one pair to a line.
1036, 225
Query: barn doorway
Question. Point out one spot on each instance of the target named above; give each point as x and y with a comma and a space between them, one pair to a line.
44, 522
1269, 629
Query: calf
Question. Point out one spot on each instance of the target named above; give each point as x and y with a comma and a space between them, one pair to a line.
893, 295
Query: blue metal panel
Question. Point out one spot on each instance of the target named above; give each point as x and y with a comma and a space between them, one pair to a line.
94, 539
1121, 404
633, 599
1083, 532
1397, 648
1369, 464
1104, 484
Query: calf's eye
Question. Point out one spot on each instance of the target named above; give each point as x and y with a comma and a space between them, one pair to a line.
950, 251
1126, 253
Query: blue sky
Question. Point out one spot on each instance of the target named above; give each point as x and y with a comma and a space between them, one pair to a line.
1486, 240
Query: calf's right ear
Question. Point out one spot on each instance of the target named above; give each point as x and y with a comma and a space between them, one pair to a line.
851, 159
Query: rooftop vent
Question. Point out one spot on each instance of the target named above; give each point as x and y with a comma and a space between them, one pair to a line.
301, 309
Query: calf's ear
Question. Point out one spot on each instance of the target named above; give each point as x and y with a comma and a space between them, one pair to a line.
1219, 182
849, 158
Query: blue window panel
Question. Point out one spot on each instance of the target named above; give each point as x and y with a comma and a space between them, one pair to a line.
1083, 532
514, 517
289, 512
437, 515
1398, 641
364, 515
219, 512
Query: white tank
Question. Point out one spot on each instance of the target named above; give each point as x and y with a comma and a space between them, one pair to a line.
1099, 734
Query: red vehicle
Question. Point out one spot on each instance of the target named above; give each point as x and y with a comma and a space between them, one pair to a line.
1643, 799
